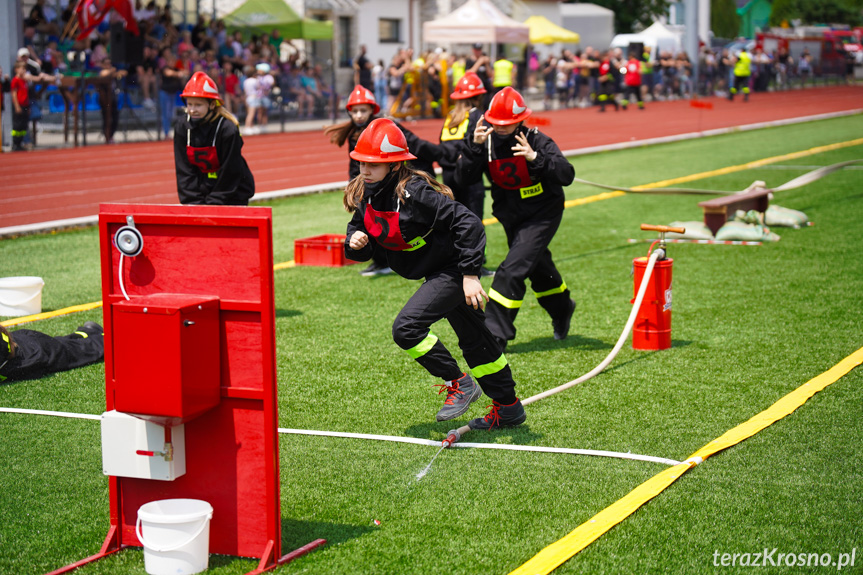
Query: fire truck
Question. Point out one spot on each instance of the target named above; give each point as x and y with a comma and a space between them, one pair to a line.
852, 39
828, 53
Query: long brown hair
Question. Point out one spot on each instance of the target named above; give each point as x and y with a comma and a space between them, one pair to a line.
460, 111
356, 187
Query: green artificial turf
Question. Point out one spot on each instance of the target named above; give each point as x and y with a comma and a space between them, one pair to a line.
750, 324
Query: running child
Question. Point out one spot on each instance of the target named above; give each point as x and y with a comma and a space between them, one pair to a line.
527, 173
458, 127
363, 109
429, 235
208, 149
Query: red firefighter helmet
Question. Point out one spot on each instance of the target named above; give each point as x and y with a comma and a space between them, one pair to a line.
360, 95
382, 142
201, 86
507, 107
468, 86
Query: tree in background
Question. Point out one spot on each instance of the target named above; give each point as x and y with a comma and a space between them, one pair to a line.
816, 12
632, 14
724, 19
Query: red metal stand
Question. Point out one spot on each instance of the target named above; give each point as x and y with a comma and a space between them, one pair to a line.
232, 454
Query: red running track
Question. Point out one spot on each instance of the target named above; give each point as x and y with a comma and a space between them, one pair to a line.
49, 185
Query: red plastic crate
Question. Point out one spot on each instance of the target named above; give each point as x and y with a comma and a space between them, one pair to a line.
326, 250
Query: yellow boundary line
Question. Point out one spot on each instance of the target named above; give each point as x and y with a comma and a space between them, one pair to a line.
567, 204
562, 550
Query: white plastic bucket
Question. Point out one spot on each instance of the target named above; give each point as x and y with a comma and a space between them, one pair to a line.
175, 534
20, 296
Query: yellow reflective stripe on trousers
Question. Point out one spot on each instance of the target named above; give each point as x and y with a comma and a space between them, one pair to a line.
495, 295
422, 347
489, 368
83, 334
560, 289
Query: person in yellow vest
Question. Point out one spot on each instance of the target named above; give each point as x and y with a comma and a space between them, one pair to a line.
742, 73
457, 69
504, 74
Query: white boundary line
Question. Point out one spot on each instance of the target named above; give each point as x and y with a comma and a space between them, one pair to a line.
395, 439
330, 186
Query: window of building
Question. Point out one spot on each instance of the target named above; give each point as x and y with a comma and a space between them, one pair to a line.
389, 30
344, 42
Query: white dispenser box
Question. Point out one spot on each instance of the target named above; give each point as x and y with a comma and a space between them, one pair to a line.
134, 447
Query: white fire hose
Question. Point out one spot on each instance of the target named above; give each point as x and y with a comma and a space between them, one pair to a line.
657, 254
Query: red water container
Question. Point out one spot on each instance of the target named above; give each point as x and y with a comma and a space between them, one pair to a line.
652, 329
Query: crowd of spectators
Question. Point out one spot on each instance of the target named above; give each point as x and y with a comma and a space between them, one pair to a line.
249, 69
572, 79
254, 71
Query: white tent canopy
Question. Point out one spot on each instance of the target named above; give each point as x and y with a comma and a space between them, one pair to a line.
657, 36
476, 21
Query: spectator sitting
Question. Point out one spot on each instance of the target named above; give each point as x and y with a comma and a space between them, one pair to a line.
296, 92
232, 100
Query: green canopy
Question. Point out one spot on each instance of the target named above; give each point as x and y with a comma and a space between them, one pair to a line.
263, 16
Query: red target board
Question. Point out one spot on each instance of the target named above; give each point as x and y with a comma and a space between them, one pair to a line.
225, 394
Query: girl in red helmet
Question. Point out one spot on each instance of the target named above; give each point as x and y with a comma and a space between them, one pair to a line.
458, 127
429, 235
208, 150
527, 173
363, 109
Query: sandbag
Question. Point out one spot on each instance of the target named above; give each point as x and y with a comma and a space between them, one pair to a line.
694, 231
750, 217
740, 231
785, 217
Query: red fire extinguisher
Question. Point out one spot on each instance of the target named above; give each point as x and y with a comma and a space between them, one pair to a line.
652, 329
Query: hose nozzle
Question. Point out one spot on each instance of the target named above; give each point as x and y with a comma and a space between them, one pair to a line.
451, 438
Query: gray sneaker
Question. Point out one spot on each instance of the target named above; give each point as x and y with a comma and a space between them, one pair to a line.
500, 416
459, 395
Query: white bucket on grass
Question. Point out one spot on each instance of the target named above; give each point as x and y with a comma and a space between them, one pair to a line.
175, 534
20, 296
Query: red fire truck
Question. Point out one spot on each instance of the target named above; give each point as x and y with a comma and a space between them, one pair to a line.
828, 53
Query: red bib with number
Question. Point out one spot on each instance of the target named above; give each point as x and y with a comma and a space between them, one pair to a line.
205, 159
510, 173
384, 227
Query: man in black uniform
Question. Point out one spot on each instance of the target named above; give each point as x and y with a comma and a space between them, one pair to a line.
28, 354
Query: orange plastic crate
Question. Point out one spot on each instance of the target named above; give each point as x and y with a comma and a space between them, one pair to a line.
326, 250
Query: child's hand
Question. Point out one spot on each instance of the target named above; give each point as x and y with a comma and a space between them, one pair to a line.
480, 134
473, 292
523, 148
359, 240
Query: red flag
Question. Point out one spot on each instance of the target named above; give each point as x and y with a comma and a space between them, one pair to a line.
91, 13
124, 9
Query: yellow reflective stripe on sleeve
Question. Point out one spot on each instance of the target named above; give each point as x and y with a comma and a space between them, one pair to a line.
489, 368
560, 289
422, 347
495, 295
